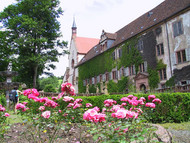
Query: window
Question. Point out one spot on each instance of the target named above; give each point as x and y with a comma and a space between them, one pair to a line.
122, 72
181, 56
162, 74
120, 53
84, 82
114, 75
141, 67
160, 49
140, 45
177, 28
95, 80
113, 56
100, 78
107, 76
128, 48
131, 70
72, 63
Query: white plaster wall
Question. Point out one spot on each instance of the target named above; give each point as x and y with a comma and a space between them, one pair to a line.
72, 55
180, 42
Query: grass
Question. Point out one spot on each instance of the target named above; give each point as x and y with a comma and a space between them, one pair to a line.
177, 126
14, 118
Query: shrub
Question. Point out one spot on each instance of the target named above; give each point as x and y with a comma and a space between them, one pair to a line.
112, 87
92, 89
49, 88
2, 100
175, 107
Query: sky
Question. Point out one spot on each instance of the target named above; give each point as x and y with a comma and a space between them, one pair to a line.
93, 16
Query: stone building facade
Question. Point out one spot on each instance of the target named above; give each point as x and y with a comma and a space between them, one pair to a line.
163, 35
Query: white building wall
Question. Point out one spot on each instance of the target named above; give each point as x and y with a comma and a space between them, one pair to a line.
180, 42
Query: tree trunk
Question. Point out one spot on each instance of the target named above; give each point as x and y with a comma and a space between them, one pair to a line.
35, 76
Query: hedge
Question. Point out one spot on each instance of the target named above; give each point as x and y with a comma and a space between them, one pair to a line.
175, 107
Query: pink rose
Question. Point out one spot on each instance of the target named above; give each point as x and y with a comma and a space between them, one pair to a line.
41, 108
151, 105
88, 105
68, 99
7, 115
46, 114
68, 88
157, 100
151, 97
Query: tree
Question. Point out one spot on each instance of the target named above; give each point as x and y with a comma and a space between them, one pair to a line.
33, 32
49, 81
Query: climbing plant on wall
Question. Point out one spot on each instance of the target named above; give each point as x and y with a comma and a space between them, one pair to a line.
153, 78
130, 54
105, 62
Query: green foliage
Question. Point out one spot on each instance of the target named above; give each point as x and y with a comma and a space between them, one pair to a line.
175, 107
122, 84
2, 99
160, 65
33, 32
170, 82
112, 87
118, 87
97, 65
92, 89
105, 63
49, 81
49, 88
130, 54
23, 98
153, 78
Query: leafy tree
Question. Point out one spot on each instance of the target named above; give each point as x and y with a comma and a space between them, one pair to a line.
5, 52
49, 81
33, 31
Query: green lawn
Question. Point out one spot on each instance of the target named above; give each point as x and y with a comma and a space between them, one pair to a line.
177, 126
14, 118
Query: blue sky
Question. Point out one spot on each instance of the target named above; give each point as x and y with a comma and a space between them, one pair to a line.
92, 16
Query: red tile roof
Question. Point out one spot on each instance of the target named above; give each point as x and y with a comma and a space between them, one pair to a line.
85, 44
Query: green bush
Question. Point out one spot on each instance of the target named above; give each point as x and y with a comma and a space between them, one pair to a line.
112, 87
92, 89
49, 88
3, 100
122, 84
175, 107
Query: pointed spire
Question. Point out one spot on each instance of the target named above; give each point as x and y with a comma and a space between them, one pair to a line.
74, 24
74, 29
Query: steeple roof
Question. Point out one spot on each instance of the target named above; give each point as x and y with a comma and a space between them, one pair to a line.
74, 24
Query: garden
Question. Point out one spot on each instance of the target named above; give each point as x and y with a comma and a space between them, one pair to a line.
68, 118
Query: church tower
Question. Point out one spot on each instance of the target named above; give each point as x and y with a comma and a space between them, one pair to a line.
74, 29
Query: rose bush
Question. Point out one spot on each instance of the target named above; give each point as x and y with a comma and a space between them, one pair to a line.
44, 115
117, 123
3, 122
114, 123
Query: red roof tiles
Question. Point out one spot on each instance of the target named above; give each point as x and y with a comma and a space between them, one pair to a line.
85, 44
